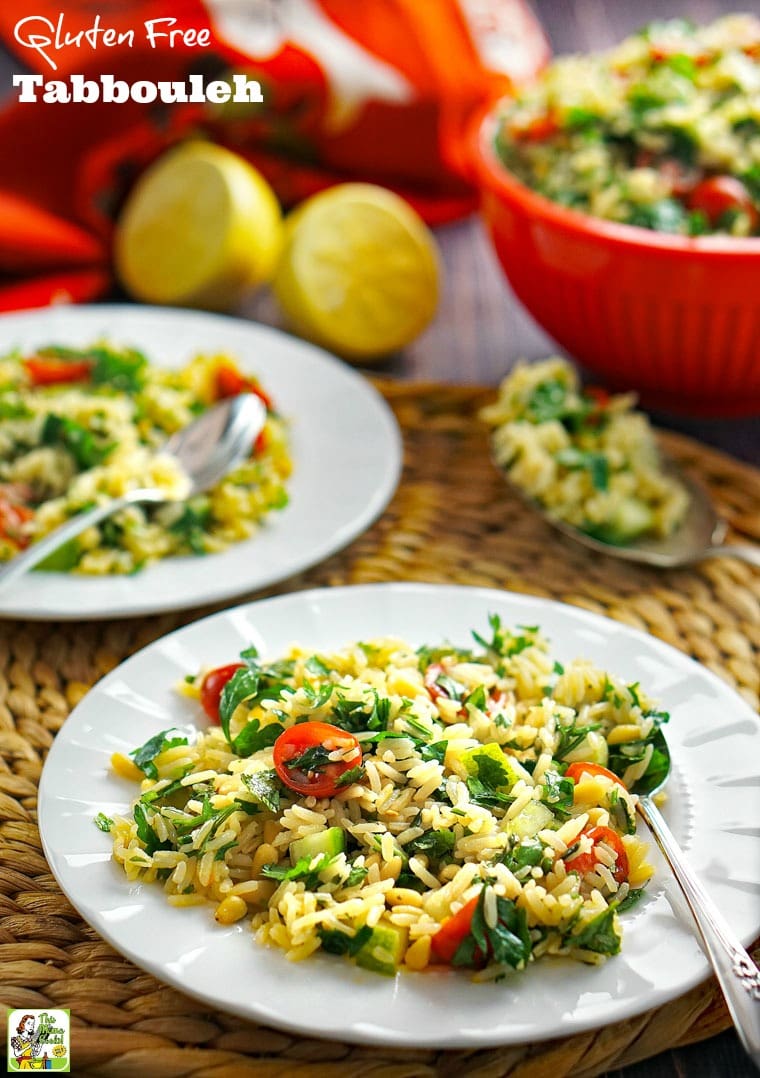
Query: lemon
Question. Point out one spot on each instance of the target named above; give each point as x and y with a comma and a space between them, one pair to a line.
359, 271
199, 228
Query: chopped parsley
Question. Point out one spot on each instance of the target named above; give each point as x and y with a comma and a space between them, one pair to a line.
78, 441
265, 787
557, 792
103, 822
599, 934
508, 943
336, 942
145, 755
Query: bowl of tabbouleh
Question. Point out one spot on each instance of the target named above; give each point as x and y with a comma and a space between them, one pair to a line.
622, 193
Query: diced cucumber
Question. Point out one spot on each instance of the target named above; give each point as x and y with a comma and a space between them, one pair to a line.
513, 770
383, 951
631, 519
592, 750
330, 842
532, 819
63, 559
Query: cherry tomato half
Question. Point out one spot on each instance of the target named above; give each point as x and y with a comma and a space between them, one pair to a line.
587, 862
719, 194
13, 516
431, 676
538, 130
212, 686
230, 382
50, 371
301, 757
445, 943
575, 771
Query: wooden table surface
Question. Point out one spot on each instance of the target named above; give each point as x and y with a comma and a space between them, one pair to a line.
481, 330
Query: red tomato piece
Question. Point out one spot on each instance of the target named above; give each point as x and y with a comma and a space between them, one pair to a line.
212, 686
261, 442
575, 771
301, 757
51, 371
230, 382
717, 195
13, 516
496, 701
682, 178
587, 862
598, 394
435, 691
445, 943
539, 129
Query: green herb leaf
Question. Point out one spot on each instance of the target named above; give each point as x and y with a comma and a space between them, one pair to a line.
356, 716
300, 871
243, 684
507, 943
120, 370
354, 774
599, 934
557, 792
153, 747
265, 787
192, 524
105, 823
631, 899
436, 844
314, 759
336, 942
356, 875
316, 667
596, 464
477, 698
254, 737
145, 832
435, 751
76, 440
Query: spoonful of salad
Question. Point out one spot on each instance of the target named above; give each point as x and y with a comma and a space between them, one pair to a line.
590, 465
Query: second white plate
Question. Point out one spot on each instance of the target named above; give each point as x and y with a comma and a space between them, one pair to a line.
713, 807
345, 443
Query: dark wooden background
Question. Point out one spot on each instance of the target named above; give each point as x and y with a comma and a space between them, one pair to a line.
481, 330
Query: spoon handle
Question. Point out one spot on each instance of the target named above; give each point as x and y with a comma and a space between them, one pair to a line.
744, 552
737, 974
21, 563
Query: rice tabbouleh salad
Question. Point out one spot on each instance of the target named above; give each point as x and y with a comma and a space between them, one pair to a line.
662, 131
465, 807
584, 455
82, 426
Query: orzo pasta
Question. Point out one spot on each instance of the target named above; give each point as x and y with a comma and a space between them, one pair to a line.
83, 426
400, 807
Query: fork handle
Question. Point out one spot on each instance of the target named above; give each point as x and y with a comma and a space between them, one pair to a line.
737, 974
21, 563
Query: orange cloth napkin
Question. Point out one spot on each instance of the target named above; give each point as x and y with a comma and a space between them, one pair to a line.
377, 91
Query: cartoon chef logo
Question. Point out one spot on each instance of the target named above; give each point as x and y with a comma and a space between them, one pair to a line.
38, 1040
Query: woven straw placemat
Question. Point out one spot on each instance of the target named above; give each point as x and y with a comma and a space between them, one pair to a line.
452, 520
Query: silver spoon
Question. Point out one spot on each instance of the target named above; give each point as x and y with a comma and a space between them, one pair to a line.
206, 450
737, 974
699, 536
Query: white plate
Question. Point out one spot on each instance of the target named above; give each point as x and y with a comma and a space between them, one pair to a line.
346, 450
714, 809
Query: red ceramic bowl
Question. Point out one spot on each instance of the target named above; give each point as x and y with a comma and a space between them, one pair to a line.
674, 317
